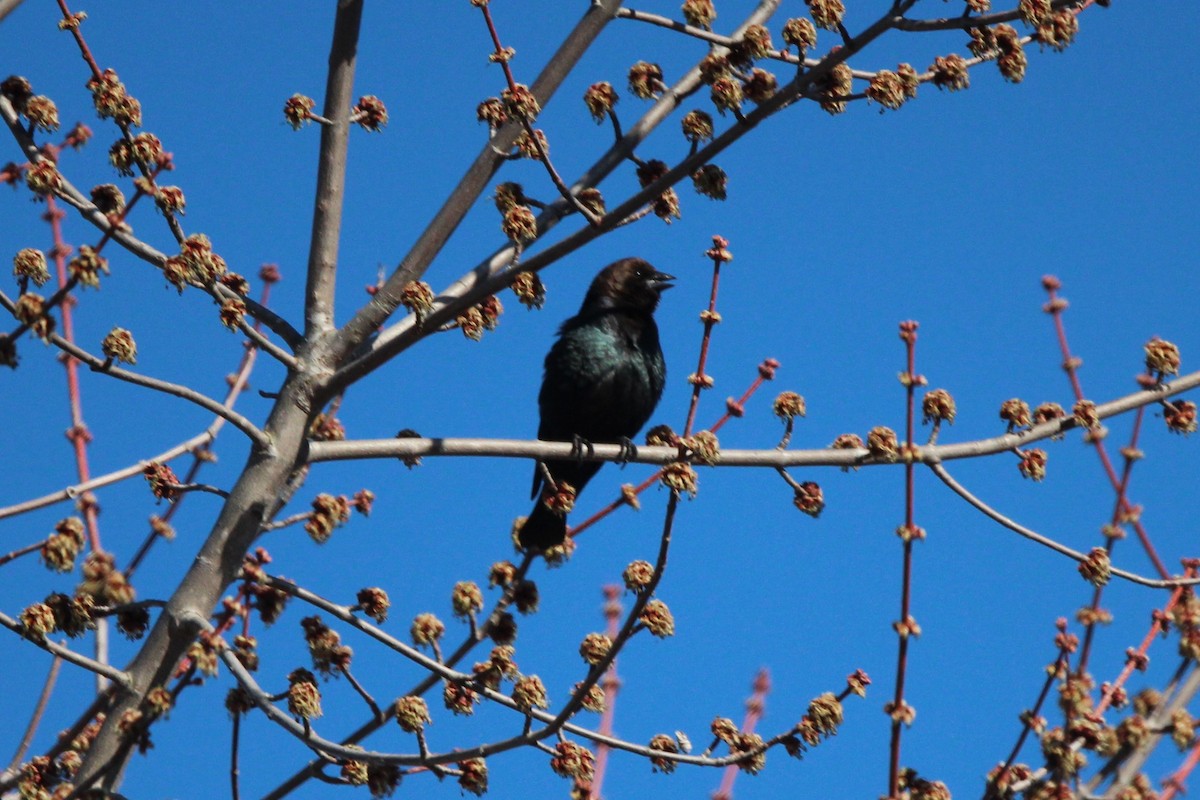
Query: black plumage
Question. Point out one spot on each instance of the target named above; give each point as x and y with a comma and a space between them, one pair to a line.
603, 378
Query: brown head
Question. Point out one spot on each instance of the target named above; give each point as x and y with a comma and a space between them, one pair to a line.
628, 283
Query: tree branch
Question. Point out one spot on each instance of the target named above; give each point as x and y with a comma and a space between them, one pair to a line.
435, 235
331, 171
493, 274
825, 457
191, 395
143, 251
1046, 541
66, 654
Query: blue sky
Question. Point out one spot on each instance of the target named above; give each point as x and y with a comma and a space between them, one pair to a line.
948, 211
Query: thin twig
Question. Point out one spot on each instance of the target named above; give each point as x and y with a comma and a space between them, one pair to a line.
527, 124
21, 551
233, 757
611, 685
363, 693
898, 709
434, 236
140, 249
493, 273
1055, 307
115, 675
38, 711
709, 320
1046, 541
204, 401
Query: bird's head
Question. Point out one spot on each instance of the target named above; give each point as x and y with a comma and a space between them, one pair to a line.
630, 282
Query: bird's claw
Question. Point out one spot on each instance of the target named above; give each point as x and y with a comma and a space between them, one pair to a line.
579, 445
628, 451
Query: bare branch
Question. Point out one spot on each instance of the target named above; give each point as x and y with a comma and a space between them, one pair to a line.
197, 442
191, 395
536, 449
554, 723
331, 170
434, 236
145, 252
7, 7
38, 710
1046, 541
66, 654
493, 274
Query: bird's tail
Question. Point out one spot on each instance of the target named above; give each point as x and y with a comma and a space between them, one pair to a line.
543, 529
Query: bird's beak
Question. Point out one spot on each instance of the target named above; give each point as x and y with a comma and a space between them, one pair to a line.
660, 281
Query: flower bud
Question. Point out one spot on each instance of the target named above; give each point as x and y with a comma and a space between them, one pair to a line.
426, 629
680, 477
938, 406
838, 86
788, 405
527, 146
573, 761
710, 181
374, 603
1096, 569
1085, 414
519, 225
459, 700
600, 99
297, 111
412, 713
529, 289
645, 80
800, 33
42, 113
883, 444
950, 72
595, 647
809, 499
370, 113
726, 95
666, 744
697, 126
466, 599
473, 776
1015, 412
704, 448
760, 86
594, 699
887, 89
31, 264
417, 297
827, 14
592, 200
1180, 416
699, 13
43, 178
119, 346
36, 621
825, 712
1033, 464
658, 619
304, 698
1162, 357
529, 692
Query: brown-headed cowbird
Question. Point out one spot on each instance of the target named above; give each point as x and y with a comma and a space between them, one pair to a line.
603, 379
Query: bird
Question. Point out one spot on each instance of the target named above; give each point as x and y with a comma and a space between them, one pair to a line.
603, 378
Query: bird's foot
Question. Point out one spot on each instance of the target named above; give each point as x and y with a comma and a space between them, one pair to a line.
579, 445
628, 451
